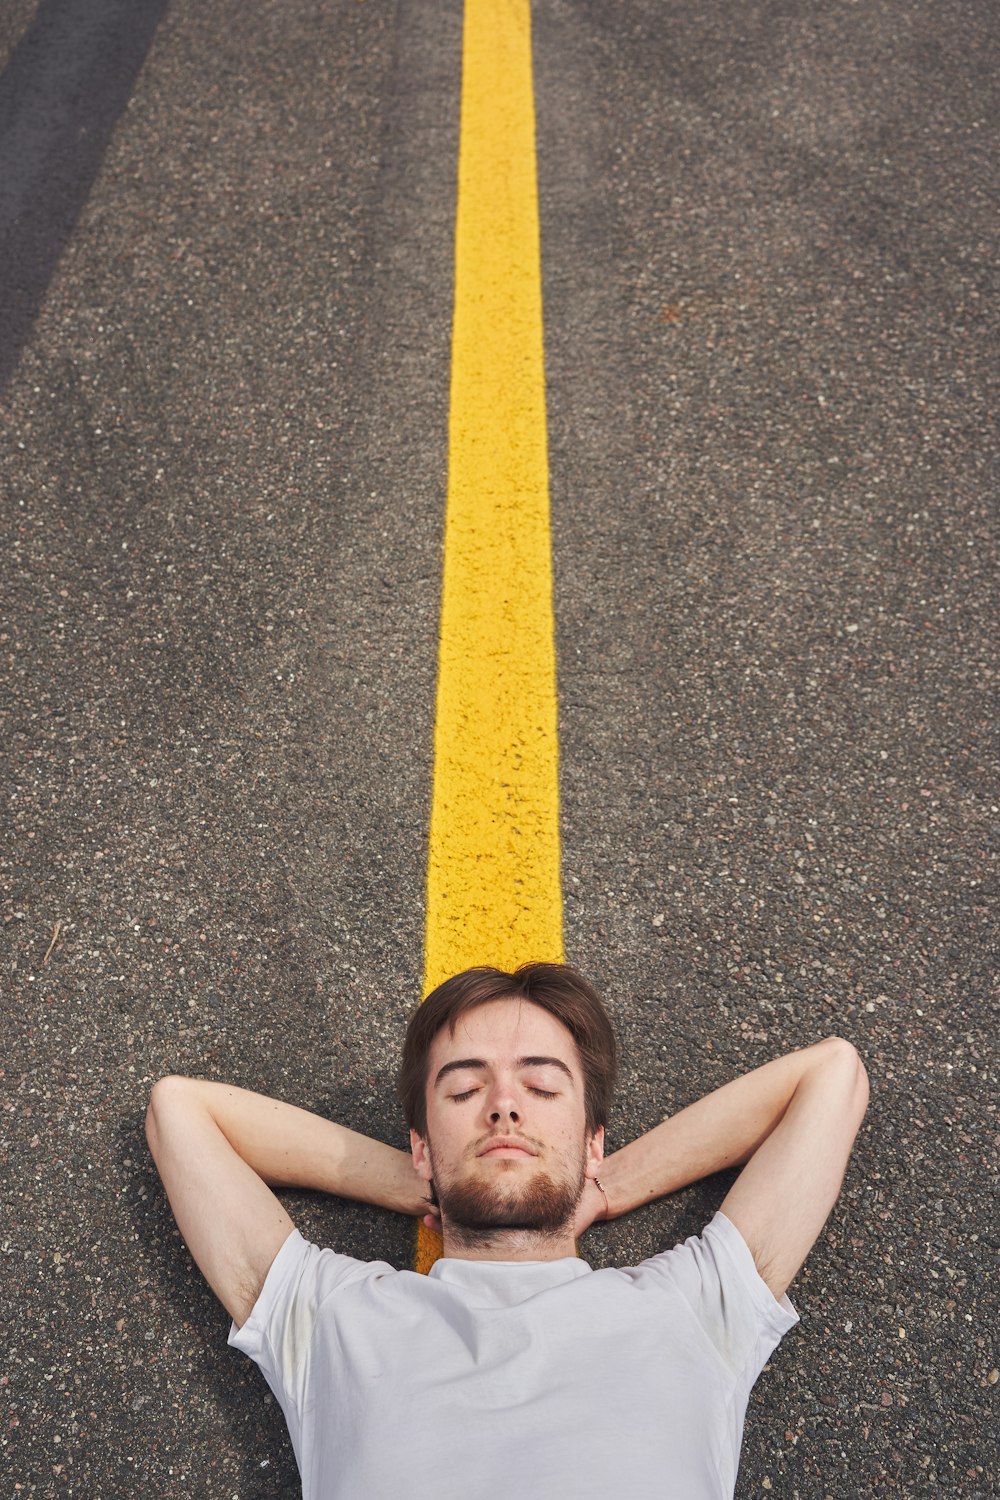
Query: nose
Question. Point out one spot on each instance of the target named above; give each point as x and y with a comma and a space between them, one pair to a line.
508, 1112
503, 1103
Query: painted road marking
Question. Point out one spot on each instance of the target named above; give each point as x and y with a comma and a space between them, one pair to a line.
493, 877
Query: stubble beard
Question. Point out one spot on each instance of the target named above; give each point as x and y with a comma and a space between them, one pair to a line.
475, 1210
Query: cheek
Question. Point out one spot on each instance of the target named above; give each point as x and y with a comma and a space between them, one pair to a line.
445, 1138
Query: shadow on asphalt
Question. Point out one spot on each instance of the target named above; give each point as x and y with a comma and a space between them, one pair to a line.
67, 83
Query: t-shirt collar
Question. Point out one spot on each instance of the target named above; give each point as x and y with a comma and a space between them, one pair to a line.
533, 1275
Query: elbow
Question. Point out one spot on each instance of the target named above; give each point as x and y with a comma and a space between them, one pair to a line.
844, 1057
164, 1097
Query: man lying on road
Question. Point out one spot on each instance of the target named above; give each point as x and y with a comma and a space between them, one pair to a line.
513, 1367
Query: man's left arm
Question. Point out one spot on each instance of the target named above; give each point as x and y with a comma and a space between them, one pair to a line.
785, 1193
790, 1124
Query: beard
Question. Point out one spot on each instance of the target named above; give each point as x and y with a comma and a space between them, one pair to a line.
475, 1210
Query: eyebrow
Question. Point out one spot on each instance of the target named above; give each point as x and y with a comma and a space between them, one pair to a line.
478, 1064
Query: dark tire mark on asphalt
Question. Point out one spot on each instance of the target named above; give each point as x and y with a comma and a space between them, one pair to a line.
61, 96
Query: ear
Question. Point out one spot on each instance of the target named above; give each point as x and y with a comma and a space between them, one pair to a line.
421, 1156
595, 1151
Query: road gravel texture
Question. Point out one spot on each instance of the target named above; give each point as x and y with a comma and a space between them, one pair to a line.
769, 239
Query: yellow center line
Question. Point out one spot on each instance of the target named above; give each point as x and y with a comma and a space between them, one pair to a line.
493, 876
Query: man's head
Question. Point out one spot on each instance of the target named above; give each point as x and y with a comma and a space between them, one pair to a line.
557, 988
506, 1083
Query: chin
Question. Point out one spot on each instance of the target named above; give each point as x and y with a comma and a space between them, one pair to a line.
540, 1205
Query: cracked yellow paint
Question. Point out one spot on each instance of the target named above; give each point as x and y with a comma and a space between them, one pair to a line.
493, 879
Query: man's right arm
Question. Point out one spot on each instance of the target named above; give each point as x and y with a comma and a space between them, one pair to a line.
219, 1150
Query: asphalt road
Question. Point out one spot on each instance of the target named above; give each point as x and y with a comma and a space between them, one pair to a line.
769, 239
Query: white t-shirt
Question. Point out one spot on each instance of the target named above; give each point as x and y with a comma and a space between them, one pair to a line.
539, 1379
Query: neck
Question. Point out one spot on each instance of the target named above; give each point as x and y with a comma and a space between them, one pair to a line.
507, 1244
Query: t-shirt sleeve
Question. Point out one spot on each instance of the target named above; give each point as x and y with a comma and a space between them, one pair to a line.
278, 1335
715, 1274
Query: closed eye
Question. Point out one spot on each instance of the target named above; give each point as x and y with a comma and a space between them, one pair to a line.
542, 1094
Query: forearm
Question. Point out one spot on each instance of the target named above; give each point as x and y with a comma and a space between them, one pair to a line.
721, 1130
290, 1147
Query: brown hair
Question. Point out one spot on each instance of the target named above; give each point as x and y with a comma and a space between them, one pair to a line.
556, 988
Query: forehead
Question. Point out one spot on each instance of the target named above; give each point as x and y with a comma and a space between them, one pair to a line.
502, 1031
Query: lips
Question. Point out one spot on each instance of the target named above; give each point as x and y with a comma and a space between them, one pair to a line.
506, 1148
